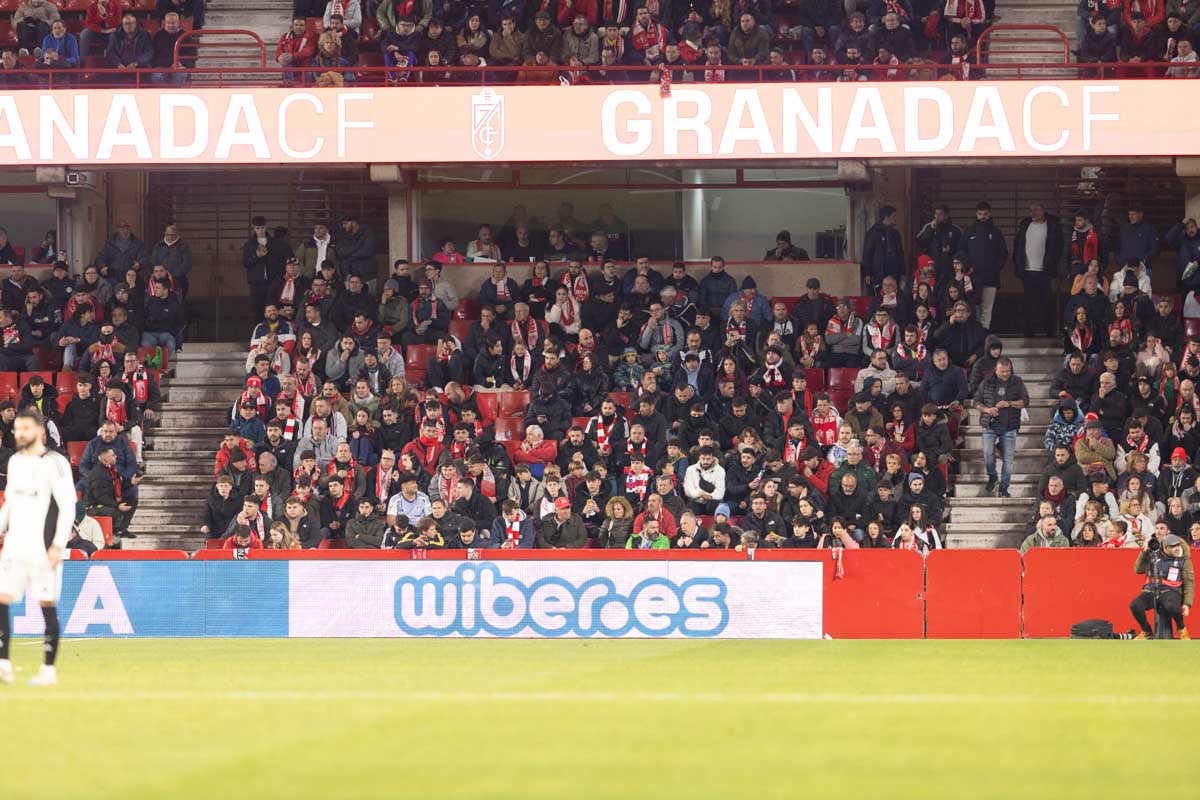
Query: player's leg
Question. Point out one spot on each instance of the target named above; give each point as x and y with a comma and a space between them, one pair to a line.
46, 589
6, 670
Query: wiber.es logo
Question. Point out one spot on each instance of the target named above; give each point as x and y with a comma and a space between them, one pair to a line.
477, 599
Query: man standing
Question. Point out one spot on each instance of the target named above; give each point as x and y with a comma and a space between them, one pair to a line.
356, 248
40, 501
984, 250
883, 250
263, 258
1138, 239
939, 240
1037, 251
174, 254
316, 250
1000, 398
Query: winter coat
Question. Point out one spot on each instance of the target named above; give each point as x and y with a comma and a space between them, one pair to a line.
1038, 539
1060, 431
961, 339
1103, 452
984, 250
883, 253
943, 387
933, 440
570, 534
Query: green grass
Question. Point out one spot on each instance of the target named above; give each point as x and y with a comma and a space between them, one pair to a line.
567, 719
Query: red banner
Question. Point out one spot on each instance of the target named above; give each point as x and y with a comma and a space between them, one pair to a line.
1063, 587
973, 594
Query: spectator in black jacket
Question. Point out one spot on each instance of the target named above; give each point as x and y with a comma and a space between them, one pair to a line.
107, 494
961, 335
1098, 46
939, 239
716, 286
812, 307
1037, 252
849, 502
1074, 380
357, 247
164, 318
985, 251
164, 52
81, 419
883, 250
220, 508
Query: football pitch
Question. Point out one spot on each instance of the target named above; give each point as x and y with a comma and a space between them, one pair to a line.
614, 719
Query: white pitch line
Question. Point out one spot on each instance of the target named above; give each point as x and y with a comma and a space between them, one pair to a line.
767, 698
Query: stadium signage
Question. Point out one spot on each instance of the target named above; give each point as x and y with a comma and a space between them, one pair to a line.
596, 123
418, 598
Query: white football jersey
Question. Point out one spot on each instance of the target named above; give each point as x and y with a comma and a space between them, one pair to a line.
39, 506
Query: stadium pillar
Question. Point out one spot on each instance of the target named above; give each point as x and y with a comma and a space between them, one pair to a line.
400, 244
1189, 169
695, 243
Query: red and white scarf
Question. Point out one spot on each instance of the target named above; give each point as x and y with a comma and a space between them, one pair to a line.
512, 530
773, 376
116, 412
579, 287
529, 336
567, 312
740, 327
104, 352
261, 404
792, 450
521, 372
1081, 337
836, 325
139, 379
637, 484
882, 338
502, 292
383, 483
291, 427
287, 293
641, 450
602, 432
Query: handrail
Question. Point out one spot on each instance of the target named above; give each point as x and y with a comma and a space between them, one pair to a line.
262, 48
1000, 27
276, 76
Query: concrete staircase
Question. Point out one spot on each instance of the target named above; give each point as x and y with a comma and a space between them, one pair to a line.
267, 18
182, 446
978, 520
1005, 48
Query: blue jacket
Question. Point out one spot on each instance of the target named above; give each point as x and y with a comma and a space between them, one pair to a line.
143, 48
525, 542
126, 461
67, 47
1188, 249
943, 388
1138, 243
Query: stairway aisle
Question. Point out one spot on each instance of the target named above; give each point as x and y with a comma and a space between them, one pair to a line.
269, 19
978, 520
179, 461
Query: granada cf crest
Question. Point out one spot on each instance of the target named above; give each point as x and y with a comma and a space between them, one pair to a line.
487, 124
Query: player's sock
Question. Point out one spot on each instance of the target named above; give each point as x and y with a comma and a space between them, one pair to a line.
5, 631
50, 614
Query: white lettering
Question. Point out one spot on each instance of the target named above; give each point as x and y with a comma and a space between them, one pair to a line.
640, 128
987, 99
168, 147
15, 137
819, 130
344, 123
857, 130
318, 142
99, 603
914, 96
697, 123
1089, 117
746, 100
52, 119
232, 135
1027, 119
113, 136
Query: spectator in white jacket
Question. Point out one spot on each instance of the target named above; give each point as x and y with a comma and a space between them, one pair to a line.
878, 369
351, 11
1136, 441
704, 482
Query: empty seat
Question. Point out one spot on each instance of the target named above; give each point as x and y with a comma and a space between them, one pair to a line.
75, 453
468, 308
488, 404
510, 429
64, 382
8, 386
105, 528
459, 328
622, 399
816, 379
860, 306
840, 398
513, 403
582, 422
332, 544
842, 378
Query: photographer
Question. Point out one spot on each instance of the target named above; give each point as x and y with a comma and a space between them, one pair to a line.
1170, 583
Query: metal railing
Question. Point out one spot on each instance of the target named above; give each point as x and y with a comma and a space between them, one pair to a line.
277, 76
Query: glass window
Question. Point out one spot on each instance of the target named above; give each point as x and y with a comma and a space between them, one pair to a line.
741, 224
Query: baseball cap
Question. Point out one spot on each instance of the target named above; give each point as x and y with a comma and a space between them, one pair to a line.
562, 502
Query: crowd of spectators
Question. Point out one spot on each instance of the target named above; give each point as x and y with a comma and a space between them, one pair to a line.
575, 402
108, 334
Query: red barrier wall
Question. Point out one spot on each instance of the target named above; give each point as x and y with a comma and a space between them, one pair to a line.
1064, 586
973, 594
879, 596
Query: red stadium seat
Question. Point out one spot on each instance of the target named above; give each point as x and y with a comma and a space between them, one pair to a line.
459, 328
19, 249
64, 382
582, 422
510, 429
48, 377
7, 36
840, 398
416, 359
369, 32
105, 528
787, 301
489, 406
514, 403
213, 544
8, 386
75, 453
9, 6
816, 379
1191, 326
860, 306
705, 520
622, 399
842, 378
468, 308
332, 544
316, 26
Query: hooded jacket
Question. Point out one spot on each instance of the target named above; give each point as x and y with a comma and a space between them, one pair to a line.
1038, 539
986, 363
1062, 431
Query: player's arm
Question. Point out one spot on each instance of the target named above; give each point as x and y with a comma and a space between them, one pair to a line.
63, 491
4, 519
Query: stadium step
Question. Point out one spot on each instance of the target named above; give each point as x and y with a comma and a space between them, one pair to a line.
165, 537
186, 440
973, 536
1029, 438
970, 462
986, 510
